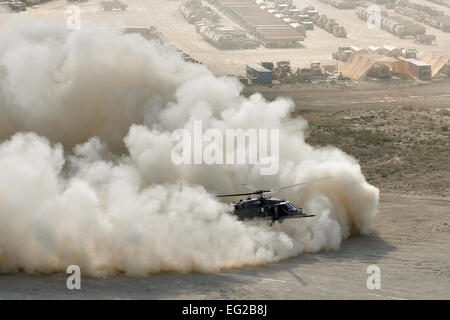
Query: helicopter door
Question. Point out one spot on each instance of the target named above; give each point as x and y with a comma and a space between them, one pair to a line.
284, 210
275, 212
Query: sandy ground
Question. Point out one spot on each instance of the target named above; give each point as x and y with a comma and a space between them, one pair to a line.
410, 246
411, 243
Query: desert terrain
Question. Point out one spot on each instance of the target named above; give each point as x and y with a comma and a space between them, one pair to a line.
398, 131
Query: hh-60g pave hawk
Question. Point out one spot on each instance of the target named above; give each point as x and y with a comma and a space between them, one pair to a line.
266, 207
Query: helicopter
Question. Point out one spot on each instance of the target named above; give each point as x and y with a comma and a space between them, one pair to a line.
266, 207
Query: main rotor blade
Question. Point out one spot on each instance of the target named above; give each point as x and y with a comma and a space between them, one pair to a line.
297, 184
249, 187
234, 194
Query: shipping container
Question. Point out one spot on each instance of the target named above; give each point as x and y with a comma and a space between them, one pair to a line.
413, 68
259, 74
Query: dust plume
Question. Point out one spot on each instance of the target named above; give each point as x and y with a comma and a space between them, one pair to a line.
86, 176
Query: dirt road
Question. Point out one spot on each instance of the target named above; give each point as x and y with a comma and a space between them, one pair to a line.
352, 96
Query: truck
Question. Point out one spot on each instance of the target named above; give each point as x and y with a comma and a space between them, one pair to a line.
409, 30
379, 71
17, 6
112, 5
30, 3
409, 53
345, 4
343, 53
425, 38
313, 73
339, 31
195, 12
282, 72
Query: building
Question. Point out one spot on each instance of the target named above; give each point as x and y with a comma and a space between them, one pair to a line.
264, 25
258, 74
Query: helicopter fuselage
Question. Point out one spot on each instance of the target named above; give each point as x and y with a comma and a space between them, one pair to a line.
269, 208
266, 207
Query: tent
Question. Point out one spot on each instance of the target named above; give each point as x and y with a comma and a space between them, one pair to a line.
358, 65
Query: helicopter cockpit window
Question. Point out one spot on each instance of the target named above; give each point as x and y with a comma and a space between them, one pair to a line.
289, 206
